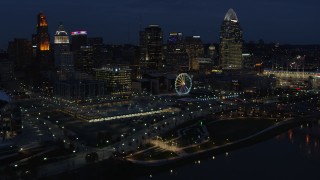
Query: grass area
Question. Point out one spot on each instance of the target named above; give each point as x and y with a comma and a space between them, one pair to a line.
228, 131
174, 132
220, 132
48, 157
154, 154
190, 136
231, 130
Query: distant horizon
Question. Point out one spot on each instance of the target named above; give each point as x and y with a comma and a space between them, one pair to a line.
119, 22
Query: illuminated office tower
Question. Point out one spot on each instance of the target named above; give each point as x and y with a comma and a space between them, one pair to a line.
151, 56
78, 39
63, 57
100, 51
61, 44
231, 42
84, 59
117, 78
41, 40
195, 49
61, 36
176, 56
20, 52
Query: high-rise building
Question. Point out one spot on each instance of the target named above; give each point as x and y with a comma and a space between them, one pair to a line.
211, 50
61, 36
6, 68
78, 39
175, 40
176, 56
231, 42
95, 41
151, 56
20, 53
195, 49
62, 55
42, 39
100, 51
117, 78
84, 59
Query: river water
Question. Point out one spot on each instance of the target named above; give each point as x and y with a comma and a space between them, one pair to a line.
292, 155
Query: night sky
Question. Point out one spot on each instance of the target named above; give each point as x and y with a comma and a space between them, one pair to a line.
284, 21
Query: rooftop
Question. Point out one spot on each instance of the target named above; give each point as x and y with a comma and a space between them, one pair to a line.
231, 16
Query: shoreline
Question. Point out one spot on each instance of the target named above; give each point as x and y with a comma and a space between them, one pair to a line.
131, 170
261, 136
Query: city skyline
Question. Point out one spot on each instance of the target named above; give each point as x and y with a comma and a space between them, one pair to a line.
137, 89
291, 22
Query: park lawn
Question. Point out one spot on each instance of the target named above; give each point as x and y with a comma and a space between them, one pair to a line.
173, 133
228, 131
225, 131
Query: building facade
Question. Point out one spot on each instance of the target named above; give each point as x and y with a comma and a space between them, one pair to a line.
195, 49
78, 39
176, 57
231, 42
79, 89
20, 53
84, 59
116, 78
41, 40
151, 42
63, 57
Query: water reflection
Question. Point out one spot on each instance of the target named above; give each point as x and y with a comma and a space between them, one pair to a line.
306, 138
294, 154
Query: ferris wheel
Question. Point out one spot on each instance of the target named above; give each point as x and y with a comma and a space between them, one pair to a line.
183, 84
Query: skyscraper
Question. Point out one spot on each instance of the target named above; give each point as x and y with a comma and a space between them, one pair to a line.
231, 42
42, 39
61, 36
61, 44
83, 59
176, 56
20, 52
151, 47
79, 38
195, 49
63, 57
100, 51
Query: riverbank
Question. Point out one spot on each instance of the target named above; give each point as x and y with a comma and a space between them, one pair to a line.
121, 168
206, 148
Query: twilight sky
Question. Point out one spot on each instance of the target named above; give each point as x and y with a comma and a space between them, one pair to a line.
119, 21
